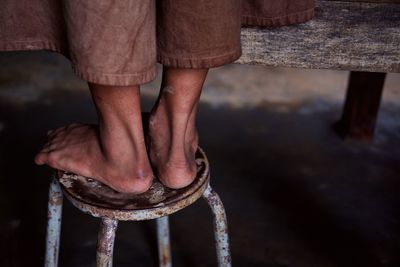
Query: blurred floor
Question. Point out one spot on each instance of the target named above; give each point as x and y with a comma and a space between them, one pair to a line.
296, 195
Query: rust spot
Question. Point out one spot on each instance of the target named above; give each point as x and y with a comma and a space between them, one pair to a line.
56, 200
165, 256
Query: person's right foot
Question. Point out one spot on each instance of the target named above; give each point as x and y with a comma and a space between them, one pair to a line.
172, 135
173, 143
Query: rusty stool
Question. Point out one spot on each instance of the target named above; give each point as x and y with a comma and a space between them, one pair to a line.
101, 201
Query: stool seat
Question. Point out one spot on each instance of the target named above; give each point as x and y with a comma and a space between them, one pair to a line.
99, 200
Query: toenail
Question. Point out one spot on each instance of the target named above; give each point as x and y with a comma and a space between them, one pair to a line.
45, 150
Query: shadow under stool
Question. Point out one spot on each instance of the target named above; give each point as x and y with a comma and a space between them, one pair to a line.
157, 203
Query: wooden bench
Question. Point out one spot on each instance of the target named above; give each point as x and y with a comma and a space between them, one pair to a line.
361, 37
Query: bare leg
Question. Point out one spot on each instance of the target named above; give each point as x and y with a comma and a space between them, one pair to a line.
173, 136
113, 152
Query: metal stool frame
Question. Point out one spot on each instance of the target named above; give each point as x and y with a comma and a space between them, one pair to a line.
109, 223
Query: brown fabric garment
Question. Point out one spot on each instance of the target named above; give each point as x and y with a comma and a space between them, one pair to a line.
276, 12
108, 42
117, 42
198, 34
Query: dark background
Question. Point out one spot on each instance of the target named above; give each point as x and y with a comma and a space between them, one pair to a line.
295, 193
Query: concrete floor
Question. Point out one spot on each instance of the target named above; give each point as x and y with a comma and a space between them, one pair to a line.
295, 194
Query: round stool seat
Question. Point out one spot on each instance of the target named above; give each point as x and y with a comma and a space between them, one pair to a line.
99, 200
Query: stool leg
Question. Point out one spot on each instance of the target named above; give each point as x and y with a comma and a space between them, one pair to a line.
164, 247
220, 227
105, 242
53, 224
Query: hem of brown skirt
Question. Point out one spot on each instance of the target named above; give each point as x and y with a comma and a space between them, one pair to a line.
115, 79
89, 76
199, 63
294, 18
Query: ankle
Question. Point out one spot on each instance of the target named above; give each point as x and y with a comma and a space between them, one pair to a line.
119, 143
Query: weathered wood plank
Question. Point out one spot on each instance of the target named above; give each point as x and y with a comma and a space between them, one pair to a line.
343, 35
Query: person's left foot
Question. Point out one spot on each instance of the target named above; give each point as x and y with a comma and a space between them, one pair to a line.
119, 161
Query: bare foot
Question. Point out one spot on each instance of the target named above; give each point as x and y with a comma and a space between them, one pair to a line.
76, 148
172, 135
173, 158
114, 152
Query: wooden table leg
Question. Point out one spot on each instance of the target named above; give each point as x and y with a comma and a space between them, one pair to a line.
361, 106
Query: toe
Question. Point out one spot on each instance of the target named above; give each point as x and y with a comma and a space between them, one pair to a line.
53, 159
46, 149
41, 158
48, 144
50, 132
75, 125
58, 131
